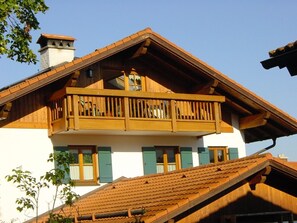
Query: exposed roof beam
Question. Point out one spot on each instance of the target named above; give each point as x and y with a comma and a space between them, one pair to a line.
208, 88
142, 50
5, 111
172, 67
253, 121
73, 79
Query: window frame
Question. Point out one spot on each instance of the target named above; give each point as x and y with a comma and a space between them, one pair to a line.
177, 157
81, 181
215, 149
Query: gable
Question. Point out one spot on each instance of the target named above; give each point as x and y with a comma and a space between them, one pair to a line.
173, 69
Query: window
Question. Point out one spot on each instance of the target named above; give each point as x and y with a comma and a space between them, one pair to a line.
134, 81
216, 154
162, 159
90, 165
84, 165
167, 159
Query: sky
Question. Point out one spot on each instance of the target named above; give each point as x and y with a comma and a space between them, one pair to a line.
232, 36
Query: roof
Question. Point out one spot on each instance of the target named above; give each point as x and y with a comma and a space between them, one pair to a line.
238, 97
285, 56
160, 197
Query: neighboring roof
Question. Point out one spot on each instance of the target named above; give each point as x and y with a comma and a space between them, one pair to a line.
160, 197
285, 56
240, 98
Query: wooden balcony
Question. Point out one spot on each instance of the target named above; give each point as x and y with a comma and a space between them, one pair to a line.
124, 112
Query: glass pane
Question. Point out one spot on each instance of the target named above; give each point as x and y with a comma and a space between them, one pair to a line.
171, 166
211, 156
74, 153
160, 158
74, 172
170, 155
88, 172
87, 156
160, 168
220, 155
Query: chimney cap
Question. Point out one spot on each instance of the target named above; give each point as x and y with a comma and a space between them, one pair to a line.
44, 36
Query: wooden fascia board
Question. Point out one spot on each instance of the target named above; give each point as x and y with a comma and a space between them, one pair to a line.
242, 178
67, 69
253, 121
212, 73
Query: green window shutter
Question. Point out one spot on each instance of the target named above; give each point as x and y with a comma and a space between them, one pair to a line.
186, 157
105, 165
233, 153
203, 153
59, 149
149, 160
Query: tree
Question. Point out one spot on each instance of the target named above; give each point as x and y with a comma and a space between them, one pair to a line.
56, 177
17, 19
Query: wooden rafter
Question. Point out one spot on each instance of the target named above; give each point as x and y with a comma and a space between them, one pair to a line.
70, 83
209, 88
259, 177
73, 79
171, 67
5, 111
142, 50
253, 121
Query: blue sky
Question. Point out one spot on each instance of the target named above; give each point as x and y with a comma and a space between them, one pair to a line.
232, 36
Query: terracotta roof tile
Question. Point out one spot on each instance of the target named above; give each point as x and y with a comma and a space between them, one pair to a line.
161, 194
283, 49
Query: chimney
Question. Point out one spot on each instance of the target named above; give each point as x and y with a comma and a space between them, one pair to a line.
55, 49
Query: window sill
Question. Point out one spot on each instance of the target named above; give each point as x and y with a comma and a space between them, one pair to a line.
85, 183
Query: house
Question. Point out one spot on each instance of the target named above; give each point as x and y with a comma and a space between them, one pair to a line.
251, 189
285, 56
139, 106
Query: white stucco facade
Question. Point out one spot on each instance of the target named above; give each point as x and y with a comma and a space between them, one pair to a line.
30, 148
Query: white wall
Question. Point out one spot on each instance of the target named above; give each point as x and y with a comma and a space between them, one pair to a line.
235, 139
30, 148
26, 148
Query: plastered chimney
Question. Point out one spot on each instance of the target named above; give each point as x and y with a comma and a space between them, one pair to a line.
55, 49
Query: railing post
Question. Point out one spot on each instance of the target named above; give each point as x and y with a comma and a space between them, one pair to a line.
217, 115
75, 111
65, 113
126, 110
173, 115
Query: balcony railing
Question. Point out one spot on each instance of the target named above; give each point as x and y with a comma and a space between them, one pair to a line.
92, 109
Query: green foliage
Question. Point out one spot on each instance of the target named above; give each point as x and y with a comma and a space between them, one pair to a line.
56, 177
17, 19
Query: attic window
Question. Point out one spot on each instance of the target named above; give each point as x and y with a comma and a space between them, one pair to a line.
134, 81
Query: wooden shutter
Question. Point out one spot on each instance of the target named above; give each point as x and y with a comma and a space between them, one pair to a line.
149, 160
60, 149
105, 165
233, 153
186, 157
203, 153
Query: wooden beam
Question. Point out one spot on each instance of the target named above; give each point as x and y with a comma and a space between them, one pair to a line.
259, 177
253, 121
73, 79
142, 50
208, 88
70, 83
4, 112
